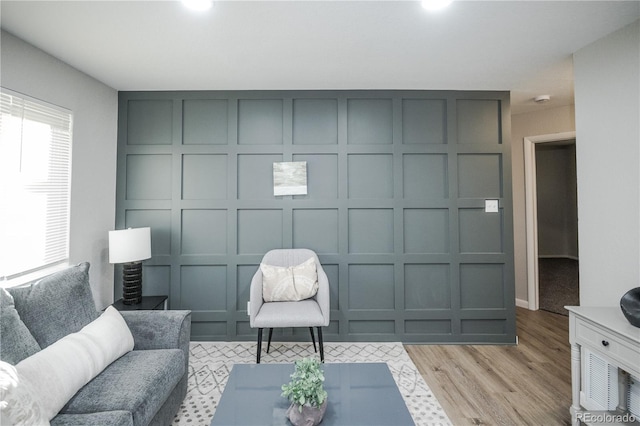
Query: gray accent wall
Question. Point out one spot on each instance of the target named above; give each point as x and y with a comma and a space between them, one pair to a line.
397, 182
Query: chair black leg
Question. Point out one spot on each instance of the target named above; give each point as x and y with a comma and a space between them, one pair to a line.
313, 339
269, 342
321, 344
259, 346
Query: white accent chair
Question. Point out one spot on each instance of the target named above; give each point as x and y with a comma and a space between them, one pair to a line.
313, 312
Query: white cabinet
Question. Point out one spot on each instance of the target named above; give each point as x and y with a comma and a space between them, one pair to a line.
602, 333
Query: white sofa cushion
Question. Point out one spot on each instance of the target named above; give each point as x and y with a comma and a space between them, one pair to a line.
287, 284
58, 371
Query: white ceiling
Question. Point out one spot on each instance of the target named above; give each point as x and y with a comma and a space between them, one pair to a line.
521, 46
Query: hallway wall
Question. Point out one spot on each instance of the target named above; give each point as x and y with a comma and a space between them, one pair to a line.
608, 153
547, 121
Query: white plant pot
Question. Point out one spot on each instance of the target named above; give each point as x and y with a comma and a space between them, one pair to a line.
310, 416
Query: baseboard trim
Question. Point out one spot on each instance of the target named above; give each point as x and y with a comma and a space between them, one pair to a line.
522, 303
557, 256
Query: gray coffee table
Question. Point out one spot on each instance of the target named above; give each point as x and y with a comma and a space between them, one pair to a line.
359, 394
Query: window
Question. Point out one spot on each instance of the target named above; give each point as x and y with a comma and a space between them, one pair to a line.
35, 184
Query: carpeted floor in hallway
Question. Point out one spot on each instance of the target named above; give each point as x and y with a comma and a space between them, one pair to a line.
558, 284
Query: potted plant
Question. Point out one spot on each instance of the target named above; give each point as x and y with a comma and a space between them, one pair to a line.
306, 393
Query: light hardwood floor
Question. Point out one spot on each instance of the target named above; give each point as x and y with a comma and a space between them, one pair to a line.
527, 384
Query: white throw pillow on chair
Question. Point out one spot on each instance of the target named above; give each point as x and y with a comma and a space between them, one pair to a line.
289, 284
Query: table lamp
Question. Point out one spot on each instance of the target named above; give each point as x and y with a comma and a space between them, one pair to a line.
130, 247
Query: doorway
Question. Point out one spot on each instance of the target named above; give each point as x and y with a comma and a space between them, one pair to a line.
551, 210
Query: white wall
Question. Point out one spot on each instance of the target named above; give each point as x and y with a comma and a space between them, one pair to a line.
543, 122
31, 71
607, 97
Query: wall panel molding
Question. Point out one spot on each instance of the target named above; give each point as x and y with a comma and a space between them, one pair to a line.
395, 206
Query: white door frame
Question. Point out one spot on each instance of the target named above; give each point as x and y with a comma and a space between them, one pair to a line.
531, 209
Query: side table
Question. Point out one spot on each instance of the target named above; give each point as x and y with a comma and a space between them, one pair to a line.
605, 332
148, 303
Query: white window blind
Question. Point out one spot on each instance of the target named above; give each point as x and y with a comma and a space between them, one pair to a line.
35, 173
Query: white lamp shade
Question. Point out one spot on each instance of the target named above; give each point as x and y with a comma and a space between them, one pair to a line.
129, 245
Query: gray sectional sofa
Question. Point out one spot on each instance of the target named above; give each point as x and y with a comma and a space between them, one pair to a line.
145, 386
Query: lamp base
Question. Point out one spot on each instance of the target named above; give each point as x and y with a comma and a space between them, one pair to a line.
132, 283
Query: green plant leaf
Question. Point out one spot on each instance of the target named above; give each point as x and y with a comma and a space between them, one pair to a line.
306, 385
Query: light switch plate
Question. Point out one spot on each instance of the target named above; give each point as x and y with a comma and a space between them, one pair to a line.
491, 206
249, 307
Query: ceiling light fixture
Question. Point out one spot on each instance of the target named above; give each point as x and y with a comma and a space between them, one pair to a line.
198, 5
542, 99
433, 5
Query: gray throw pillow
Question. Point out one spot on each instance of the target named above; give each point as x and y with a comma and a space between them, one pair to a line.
16, 342
57, 305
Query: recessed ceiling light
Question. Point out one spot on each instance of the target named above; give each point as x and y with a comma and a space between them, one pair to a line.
436, 4
199, 5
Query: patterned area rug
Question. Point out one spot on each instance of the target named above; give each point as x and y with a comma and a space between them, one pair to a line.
211, 362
